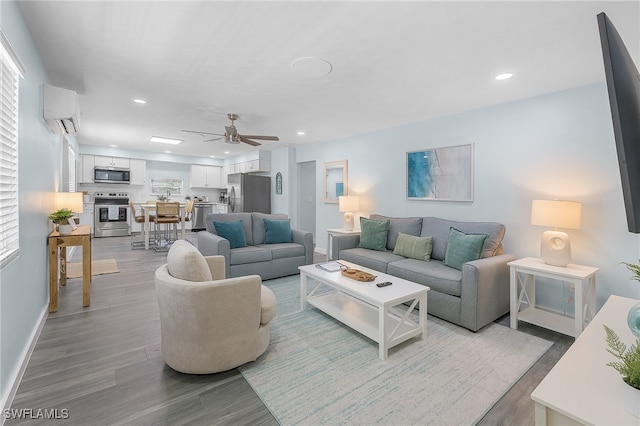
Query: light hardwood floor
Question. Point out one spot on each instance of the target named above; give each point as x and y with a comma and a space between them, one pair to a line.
102, 365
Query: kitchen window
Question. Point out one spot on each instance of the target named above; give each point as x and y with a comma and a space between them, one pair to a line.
11, 70
162, 186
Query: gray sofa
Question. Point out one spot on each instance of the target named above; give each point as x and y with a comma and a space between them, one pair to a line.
257, 258
471, 297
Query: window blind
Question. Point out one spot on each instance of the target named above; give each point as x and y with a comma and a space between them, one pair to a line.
9, 74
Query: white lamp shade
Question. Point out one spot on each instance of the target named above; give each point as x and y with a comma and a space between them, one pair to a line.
556, 213
349, 203
69, 200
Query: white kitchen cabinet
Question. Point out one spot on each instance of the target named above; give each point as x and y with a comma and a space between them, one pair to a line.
111, 162
86, 217
206, 176
85, 169
138, 174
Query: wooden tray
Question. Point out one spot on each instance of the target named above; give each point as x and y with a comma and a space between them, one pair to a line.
358, 275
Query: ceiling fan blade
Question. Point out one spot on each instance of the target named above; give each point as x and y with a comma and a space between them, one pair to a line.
265, 138
202, 133
248, 141
214, 139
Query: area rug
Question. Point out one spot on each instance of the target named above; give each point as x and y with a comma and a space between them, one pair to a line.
98, 267
318, 371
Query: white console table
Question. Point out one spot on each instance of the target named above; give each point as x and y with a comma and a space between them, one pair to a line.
523, 289
581, 388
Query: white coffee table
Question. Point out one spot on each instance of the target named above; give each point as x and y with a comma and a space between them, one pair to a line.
376, 312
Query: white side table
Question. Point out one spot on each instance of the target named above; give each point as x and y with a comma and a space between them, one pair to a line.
337, 231
523, 288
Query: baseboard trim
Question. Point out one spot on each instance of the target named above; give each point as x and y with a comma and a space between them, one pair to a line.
18, 372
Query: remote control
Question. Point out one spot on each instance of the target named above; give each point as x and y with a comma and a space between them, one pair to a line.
384, 284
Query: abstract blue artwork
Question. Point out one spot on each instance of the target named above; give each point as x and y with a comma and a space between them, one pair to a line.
443, 174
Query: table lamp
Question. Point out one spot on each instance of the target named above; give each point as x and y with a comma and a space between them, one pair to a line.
348, 204
70, 201
555, 247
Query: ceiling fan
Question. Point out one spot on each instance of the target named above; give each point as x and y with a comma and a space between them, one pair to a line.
231, 134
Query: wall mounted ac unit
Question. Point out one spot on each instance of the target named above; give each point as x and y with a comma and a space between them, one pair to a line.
61, 110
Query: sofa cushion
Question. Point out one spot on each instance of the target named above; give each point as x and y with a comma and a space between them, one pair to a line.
232, 231
373, 259
284, 250
231, 217
434, 274
413, 247
249, 254
406, 225
439, 230
257, 223
185, 262
373, 234
463, 247
277, 231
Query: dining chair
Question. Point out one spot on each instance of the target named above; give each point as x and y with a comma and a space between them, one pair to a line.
167, 214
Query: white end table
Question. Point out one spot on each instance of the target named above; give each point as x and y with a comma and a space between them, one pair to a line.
523, 288
337, 231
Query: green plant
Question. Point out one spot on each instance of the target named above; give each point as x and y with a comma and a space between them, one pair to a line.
61, 217
629, 359
633, 268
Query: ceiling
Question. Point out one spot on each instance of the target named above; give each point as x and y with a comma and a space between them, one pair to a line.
392, 63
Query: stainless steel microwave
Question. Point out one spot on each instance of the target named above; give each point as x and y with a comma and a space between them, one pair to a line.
111, 175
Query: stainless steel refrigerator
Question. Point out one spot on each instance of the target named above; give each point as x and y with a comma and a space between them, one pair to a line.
249, 193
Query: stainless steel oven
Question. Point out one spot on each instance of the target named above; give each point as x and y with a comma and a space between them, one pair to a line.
111, 215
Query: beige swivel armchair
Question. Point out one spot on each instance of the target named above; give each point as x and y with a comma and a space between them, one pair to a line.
207, 323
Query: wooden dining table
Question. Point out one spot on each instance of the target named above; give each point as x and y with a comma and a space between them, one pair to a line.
147, 208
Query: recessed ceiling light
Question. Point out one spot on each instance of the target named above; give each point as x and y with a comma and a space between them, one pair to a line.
212, 156
310, 66
504, 76
113, 146
301, 133
165, 140
139, 101
168, 152
226, 152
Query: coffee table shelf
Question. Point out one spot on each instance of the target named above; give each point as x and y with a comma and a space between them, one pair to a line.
377, 313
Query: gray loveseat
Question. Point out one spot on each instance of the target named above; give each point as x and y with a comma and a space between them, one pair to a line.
471, 297
258, 257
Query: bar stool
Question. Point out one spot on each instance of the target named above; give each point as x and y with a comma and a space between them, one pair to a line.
188, 211
139, 243
166, 214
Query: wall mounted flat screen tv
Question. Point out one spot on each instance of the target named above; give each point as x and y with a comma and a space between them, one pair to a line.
623, 85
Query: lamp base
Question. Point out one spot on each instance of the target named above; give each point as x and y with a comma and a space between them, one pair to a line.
555, 248
348, 221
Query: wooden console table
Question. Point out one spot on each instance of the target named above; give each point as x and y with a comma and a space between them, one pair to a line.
80, 237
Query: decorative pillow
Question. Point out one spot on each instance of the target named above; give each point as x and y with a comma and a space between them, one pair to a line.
463, 248
413, 247
233, 232
185, 262
277, 231
373, 234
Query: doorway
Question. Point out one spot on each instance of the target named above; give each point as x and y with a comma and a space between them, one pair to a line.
307, 197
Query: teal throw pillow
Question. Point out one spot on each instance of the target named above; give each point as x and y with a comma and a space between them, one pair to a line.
463, 248
413, 247
232, 231
277, 231
373, 234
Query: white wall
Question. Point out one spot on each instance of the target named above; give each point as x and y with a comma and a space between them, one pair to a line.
24, 290
554, 146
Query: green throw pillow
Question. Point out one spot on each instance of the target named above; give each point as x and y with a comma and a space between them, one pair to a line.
373, 234
277, 231
413, 247
463, 248
232, 231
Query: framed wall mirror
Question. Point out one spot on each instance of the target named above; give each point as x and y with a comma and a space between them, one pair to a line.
334, 181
